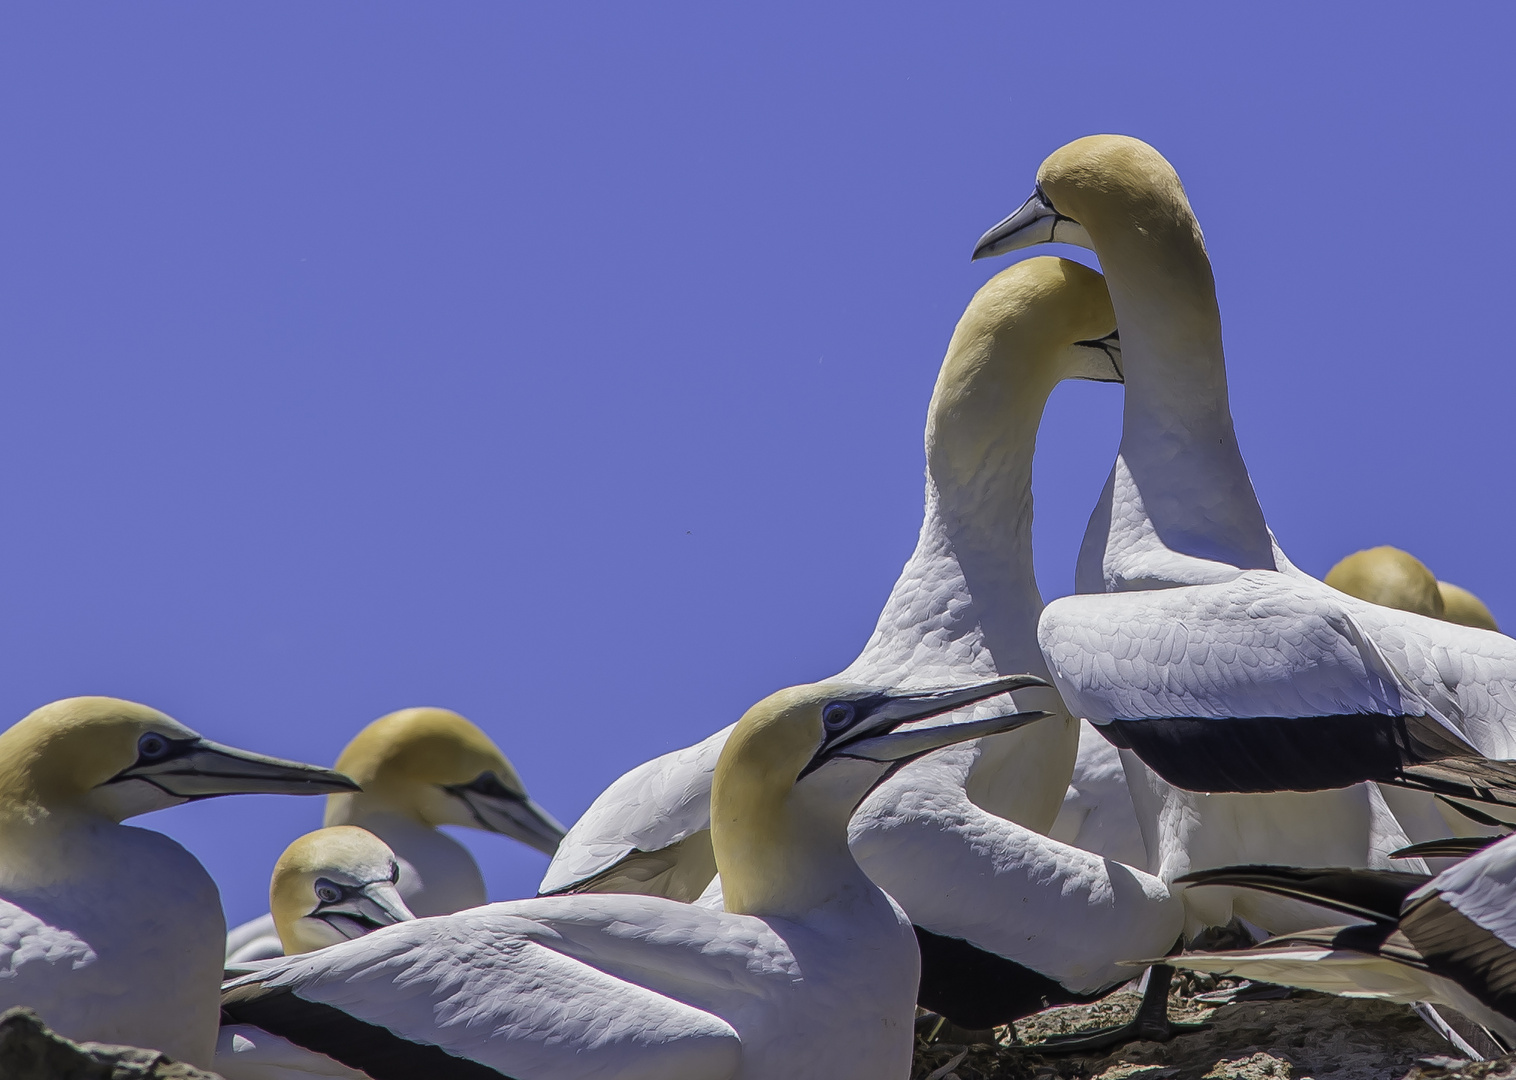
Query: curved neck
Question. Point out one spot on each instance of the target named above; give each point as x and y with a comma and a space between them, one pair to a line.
786, 855
1177, 441
971, 578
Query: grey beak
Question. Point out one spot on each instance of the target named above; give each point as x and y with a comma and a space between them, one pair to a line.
899, 746
1035, 223
496, 808
199, 769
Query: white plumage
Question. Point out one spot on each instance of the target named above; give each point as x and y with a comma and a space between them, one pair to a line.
1202, 617
954, 838
811, 974
114, 933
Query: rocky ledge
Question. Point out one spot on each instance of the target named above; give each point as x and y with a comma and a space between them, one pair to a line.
30, 1050
1302, 1036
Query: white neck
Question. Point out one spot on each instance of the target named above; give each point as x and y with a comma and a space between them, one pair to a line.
966, 603
1179, 507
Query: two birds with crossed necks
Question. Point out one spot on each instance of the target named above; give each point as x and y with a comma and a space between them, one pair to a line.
776, 900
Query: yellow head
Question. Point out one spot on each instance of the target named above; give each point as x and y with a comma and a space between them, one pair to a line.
332, 885
780, 843
1119, 197
1464, 608
1028, 328
434, 766
1386, 575
116, 758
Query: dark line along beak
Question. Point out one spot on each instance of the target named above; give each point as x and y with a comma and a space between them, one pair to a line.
1111, 346
363, 908
1035, 223
499, 809
199, 769
869, 735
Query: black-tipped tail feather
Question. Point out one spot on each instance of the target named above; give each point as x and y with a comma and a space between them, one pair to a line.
1376, 895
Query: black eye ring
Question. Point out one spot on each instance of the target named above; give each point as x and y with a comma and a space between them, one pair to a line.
327, 893
839, 714
152, 746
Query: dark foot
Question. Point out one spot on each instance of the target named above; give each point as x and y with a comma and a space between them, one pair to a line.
1151, 1024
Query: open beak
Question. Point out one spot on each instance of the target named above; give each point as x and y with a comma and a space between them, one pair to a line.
199, 769
365, 909
872, 736
496, 808
1035, 223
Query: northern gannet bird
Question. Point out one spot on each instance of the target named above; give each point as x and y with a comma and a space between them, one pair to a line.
1450, 940
1008, 920
1463, 607
114, 933
965, 604
421, 768
1209, 657
1390, 577
809, 971
1393, 578
333, 885
329, 886
1386, 575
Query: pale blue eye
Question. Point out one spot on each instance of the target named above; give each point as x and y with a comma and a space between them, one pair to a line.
152, 746
839, 714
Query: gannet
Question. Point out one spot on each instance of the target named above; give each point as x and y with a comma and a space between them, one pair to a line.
1463, 607
965, 603
1394, 578
329, 886
1386, 575
1450, 940
421, 768
1007, 919
114, 933
809, 971
1211, 657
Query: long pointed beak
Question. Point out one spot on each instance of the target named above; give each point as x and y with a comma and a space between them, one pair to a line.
375, 905
199, 769
1035, 223
906, 745
883, 714
496, 808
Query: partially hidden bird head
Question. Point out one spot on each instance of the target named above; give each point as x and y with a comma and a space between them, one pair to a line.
332, 885
438, 768
117, 759
1386, 575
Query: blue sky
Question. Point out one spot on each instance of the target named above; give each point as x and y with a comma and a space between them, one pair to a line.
566, 365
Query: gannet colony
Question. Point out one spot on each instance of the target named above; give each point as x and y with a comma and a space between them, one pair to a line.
1204, 760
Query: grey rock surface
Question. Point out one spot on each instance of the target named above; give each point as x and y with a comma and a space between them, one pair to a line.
30, 1050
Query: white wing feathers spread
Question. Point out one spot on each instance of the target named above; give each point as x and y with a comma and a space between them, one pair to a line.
659, 803
560, 987
1268, 644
